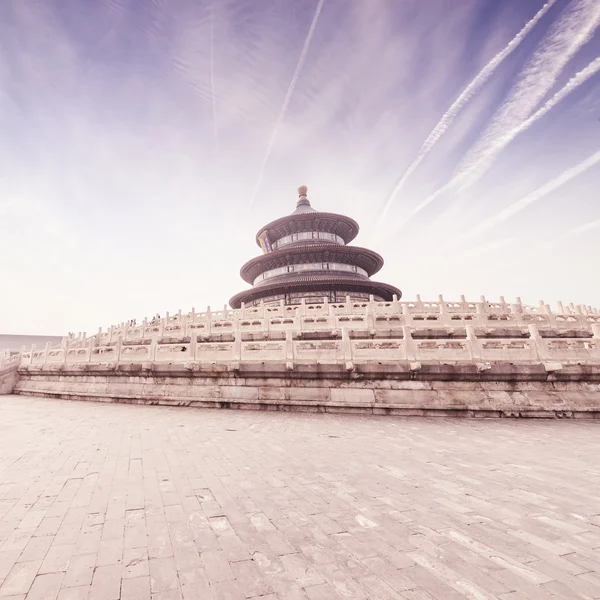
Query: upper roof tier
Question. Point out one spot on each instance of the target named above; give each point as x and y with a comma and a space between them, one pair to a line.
306, 218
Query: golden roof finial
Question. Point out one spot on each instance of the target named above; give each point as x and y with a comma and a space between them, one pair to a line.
302, 191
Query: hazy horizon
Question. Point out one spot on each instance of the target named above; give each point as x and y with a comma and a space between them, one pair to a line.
145, 143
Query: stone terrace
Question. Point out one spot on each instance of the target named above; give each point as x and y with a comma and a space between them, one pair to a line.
106, 501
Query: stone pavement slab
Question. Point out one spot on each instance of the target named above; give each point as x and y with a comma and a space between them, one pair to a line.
123, 502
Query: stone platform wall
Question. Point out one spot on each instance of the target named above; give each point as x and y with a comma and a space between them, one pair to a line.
497, 390
445, 358
8, 379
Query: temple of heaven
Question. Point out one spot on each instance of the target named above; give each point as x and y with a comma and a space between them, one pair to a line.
306, 257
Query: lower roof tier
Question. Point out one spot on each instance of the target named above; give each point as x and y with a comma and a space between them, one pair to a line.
366, 259
314, 283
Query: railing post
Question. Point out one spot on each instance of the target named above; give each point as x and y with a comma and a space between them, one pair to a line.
289, 350
473, 343
538, 342
548, 311
208, 327
237, 342
515, 311
297, 324
444, 318
347, 349
118, 350
370, 317
46, 349
302, 307
407, 315
409, 343
193, 344
480, 312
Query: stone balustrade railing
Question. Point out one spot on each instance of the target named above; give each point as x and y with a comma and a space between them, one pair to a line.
8, 360
356, 315
346, 332
342, 347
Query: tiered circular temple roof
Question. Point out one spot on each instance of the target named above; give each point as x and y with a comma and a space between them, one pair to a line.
305, 255
345, 227
368, 260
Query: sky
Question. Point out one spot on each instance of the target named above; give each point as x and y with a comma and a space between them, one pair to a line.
145, 142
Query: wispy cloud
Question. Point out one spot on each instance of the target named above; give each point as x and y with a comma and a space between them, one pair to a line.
287, 99
568, 35
571, 233
535, 196
583, 228
461, 102
487, 159
212, 75
111, 114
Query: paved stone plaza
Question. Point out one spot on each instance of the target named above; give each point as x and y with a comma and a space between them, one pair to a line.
106, 501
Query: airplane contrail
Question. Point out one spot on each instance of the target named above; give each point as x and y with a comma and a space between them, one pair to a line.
212, 77
523, 203
583, 228
486, 161
462, 100
570, 233
568, 36
582, 76
592, 69
287, 99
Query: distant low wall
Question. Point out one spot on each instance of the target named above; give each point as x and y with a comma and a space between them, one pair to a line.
441, 389
16, 342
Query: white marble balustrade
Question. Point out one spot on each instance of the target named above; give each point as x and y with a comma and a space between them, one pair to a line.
196, 336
